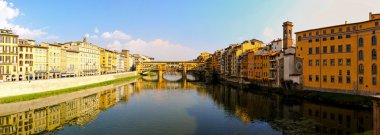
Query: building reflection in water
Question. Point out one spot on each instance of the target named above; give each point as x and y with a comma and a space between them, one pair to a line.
290, 116
79, 111
293, 116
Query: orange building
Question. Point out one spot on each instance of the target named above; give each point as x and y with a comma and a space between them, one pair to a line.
341, 58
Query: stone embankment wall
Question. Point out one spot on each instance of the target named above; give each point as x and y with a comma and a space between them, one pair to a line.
25, 87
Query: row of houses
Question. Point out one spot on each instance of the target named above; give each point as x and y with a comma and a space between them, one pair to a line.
24, 59
253, 61
340, 58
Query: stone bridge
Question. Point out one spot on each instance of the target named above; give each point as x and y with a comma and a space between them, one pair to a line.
168, 66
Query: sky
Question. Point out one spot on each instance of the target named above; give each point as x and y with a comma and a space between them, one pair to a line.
173, 29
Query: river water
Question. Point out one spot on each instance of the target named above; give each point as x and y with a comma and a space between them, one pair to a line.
155, 107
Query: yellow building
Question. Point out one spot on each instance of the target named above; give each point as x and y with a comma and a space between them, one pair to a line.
233, 53
25, 59
107, 61
89, 59
54, 59
8, 55
70, 63
40, 62
341, 58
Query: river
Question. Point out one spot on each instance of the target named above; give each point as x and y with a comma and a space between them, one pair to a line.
152, 107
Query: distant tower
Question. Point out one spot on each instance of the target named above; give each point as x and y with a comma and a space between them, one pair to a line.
84, 39
287, 35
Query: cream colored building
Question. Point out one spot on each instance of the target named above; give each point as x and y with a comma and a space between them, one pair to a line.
40, 62
89, 57
70, 62
120, 62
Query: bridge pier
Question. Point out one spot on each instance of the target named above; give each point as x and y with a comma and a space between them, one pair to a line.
184, 74
160, 75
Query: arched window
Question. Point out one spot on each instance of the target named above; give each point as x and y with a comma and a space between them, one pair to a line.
374, 40
361, 69
299, 38
361, 42
361, 55
374, 54
374, 69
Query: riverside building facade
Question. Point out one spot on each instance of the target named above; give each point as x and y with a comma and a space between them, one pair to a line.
341, 58
8, 55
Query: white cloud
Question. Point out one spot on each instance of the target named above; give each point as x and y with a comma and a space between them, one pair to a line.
96, 30
116, 35
8, 12
269, 34
309, 14
161, 49
51, 37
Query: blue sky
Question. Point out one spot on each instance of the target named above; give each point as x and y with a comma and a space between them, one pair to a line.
175, 29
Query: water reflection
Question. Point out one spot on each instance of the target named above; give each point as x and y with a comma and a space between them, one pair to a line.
206, 109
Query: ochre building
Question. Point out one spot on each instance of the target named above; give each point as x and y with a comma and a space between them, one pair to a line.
341, 58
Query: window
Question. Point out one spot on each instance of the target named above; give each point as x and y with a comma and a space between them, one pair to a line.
348, 72
340, 37
332, 79
317, 33
340, 48
324, 78
324, 62
332, 49
332, 38
299, 38
325, 49
1, 39
348, 62
374, 81
332, 30
361, 42
310, 78
361, 80
332, 62
317, 78
324, 38
340, 79
348, 48
374, 69
316, 62
361, 69
317, 50
310, 40
340, 62
348, 29
348, 36
361, 55
310, 50
376, 23
374, 54
317, 40
310, 62
340, 72
348, 79
324, 31
374, 40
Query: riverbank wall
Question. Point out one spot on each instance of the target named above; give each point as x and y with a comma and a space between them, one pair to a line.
25, 87
16, 107
325, 97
